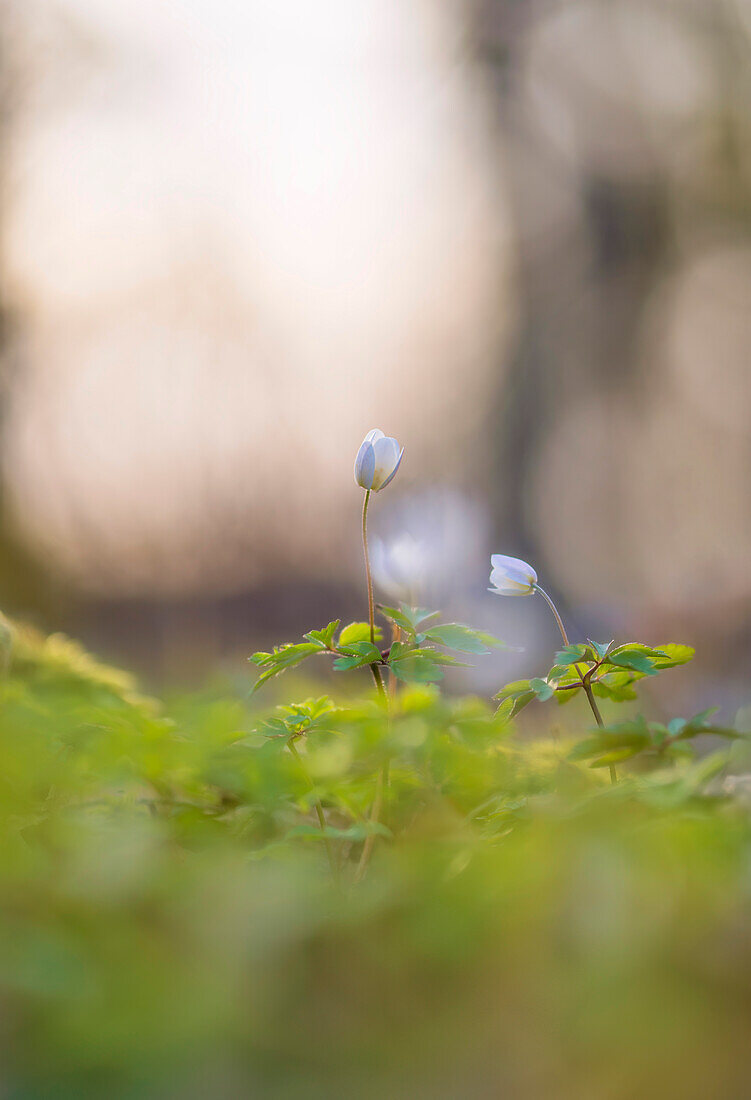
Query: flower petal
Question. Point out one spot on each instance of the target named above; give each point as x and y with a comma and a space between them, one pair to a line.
393, 472
386, 460
365, 465
505, 563
510, 588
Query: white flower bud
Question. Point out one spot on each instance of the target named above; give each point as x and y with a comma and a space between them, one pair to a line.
511, 576
377, 460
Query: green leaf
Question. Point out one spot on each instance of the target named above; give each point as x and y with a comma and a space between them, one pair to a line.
505, 712
682, 730
614, 756
617, 686
358, 632
602, 750
398, 617
294, 716
356, 655
560, 672
443, 658
541, 688
639, 658
572, 654
519, 692
408, 618
563, 696
674, 654
516, 687
282, 658
399, 650
626, 739
325, 636
417, 665
462, 638
600, 648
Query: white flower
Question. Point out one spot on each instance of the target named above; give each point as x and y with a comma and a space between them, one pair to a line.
377, 460
511, 576
400, 565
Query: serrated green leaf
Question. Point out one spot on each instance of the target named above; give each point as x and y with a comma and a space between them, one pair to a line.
400, 650
282, 658
325, 636
356, 655
674, 654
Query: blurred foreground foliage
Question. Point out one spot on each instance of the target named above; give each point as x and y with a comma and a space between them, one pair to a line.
170, 925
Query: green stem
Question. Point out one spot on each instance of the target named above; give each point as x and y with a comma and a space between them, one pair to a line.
371, 607
382, 780
319, 810
585, 684
378, 681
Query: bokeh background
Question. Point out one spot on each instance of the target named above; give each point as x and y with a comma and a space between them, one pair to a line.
235, 236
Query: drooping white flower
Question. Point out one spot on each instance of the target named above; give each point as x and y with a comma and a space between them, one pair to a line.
377, 460
511, 576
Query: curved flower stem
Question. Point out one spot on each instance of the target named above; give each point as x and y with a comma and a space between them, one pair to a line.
585, 683
319, 810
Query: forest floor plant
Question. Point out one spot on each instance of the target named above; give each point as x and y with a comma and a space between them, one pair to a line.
422, 647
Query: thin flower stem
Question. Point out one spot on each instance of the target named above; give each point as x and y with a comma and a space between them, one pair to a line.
371, 606
554, 609
319, 810
383, 775
585, 683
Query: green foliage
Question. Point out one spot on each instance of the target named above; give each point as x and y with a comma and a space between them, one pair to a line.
623, 740
170, 923
415, 658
